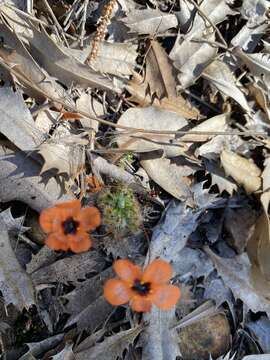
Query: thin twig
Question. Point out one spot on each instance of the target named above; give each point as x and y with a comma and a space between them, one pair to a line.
58, 26
209, 20
119, 126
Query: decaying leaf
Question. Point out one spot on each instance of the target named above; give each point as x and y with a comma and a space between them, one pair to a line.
16, 286
242, 170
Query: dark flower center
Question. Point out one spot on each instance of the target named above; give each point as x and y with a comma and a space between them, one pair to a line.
70, 226
141, 288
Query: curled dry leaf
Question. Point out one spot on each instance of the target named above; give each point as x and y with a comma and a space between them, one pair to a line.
16, 286
245, 172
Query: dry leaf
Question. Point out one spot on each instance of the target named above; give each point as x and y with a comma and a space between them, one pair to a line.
17, 123
150, 21
72, 269
16, 286
150, 118
20, 180
235, 272
111, 347
220, 75
171, 177
242, 170
214, 124
159, 342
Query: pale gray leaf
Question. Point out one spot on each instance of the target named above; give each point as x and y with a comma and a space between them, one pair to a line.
260, 329
170, 176
15, 285
159, 342
17, 123
171, 234
112, 347
191, 58
150, 118
37, 348
257, 357
20, 180
220, 75
150, 21
13, 225
71, 269
235, 274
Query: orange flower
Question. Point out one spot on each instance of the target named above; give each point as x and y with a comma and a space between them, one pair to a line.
67, 225
142, 289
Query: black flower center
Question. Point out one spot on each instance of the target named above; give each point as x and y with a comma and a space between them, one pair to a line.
141, 288
70, 226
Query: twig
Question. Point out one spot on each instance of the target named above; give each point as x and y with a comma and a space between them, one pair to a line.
83, 22
133, 130
210, 21
58, 26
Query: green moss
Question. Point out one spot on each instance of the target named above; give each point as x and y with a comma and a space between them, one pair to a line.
120, 210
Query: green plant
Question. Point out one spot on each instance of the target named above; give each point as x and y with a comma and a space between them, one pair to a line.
120, 209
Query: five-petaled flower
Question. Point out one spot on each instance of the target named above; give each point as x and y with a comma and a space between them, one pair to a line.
142, 289
67, 225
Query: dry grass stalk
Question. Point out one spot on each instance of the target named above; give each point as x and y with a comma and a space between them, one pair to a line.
101, 30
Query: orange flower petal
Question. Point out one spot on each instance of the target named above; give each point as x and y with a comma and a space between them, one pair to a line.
165, 296
159, 271
116, 292
49, 220
55, 242
127, 271
140, 304
89, 218
79, 242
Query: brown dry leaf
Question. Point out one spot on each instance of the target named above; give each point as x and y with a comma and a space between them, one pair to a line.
111, 347
158, 73
159, 85
172, 177
242, 170
16, 286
